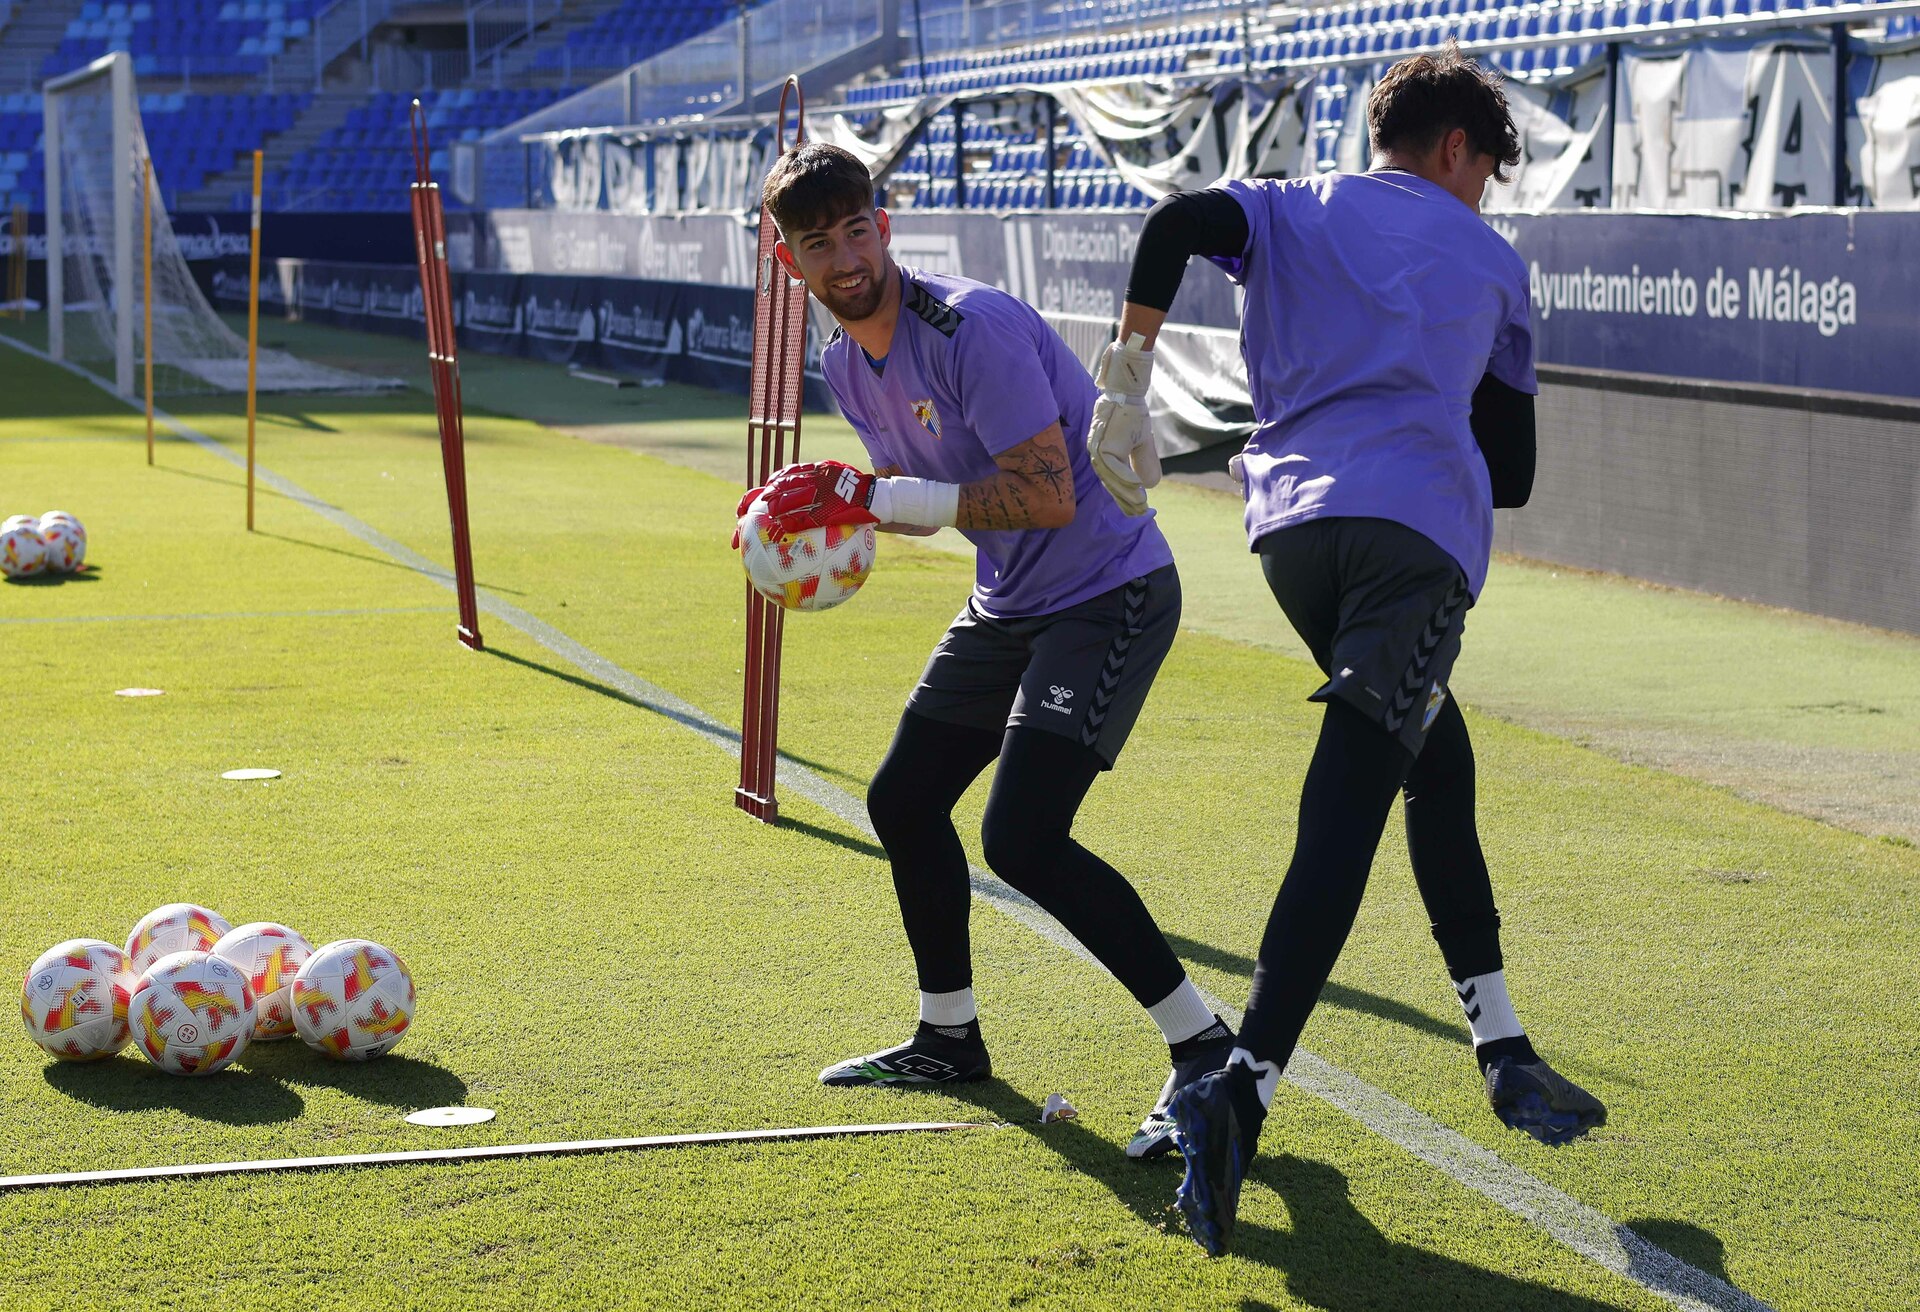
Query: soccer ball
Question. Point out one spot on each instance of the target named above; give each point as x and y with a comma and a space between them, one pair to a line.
269, 956
815, 569
65, 539
192, 1013
74, 1000
175, 927
353, 1000
23, 552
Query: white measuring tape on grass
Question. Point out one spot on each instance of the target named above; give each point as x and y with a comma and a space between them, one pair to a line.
483, 1153
1585, 1230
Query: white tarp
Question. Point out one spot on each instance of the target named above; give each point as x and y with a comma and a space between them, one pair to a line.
1163, 142
1559, 166
1890, 134
1788, 151
573, 172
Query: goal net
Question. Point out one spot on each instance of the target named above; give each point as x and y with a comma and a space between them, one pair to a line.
96, 260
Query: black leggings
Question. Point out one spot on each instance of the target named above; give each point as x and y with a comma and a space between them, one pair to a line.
1356, 769
1027, 836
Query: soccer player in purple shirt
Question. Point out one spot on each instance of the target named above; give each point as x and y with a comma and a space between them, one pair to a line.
1388, 350
975, 415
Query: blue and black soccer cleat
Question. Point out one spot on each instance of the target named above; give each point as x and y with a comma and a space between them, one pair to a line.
1535, 1099
929, 1057
1154, 1138
1218, 1145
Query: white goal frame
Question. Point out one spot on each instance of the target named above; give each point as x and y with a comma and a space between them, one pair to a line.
118, 69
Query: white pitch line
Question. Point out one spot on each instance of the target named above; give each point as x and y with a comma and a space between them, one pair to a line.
1583, 1229
480, 1153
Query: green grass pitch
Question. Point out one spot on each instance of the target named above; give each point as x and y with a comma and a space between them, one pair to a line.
605, 947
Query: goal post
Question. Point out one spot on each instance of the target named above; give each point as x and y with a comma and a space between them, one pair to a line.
99, 95
100, 185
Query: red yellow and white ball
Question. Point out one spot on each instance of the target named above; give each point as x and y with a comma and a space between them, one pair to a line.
815, 569
353, 1000
192, 1013
175, 927
269, 956
65, 540
74, 999
23, 552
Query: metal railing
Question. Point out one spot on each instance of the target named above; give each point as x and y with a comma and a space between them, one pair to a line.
941, 27
493, 26
399, 68
706, 75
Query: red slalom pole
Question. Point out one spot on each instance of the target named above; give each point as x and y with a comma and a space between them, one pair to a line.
773, 412
443, 364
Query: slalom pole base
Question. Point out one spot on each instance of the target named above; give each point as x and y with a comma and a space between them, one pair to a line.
761, 808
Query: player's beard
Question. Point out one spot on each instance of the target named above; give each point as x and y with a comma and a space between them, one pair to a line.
861, 302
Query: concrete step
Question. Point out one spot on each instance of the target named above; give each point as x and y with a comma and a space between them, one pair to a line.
328, 111
37, 28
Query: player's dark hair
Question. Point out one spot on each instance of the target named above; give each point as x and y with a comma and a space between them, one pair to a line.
1424, 97
814, 186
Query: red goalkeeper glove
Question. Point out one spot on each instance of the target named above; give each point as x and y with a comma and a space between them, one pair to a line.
819, 494
740, 512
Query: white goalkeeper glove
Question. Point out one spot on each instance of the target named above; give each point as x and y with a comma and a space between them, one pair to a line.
1120, 439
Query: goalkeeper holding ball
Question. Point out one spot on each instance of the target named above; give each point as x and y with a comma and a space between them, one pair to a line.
975, 415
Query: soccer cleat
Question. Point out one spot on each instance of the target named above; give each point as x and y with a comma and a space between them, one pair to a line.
929, 1057
1218, 1146
1154, 1138
1536, 1099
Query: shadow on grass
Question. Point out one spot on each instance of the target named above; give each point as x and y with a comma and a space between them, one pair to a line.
1348, 998
90, 574
678, 717
1331, 1256
852, 843
396, 1080
1343, 996
126, 1084
1686, 1241
373, 560
286, 419
261, 488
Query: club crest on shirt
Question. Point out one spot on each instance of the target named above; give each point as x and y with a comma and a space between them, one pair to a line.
929, 417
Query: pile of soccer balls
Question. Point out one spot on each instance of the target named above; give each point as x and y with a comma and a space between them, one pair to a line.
192, 991
55, 543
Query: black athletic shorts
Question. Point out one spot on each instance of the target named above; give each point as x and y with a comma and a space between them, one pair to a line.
1082, 672
1380, 606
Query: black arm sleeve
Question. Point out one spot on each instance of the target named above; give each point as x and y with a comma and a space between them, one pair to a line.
1503, 426
1180, 226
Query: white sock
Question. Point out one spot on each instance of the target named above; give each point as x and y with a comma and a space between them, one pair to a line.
948, 1010
1266, 1076
1183, 1013
1489, 1009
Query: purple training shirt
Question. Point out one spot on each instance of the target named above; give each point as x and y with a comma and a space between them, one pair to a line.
1374, 305
971, 373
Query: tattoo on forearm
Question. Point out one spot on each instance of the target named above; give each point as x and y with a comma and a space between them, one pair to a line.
1034, 485
1001, 502
1043, 466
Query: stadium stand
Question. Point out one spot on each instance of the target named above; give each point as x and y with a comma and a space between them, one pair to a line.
184, 38
365, 164
635, 31
191, 137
